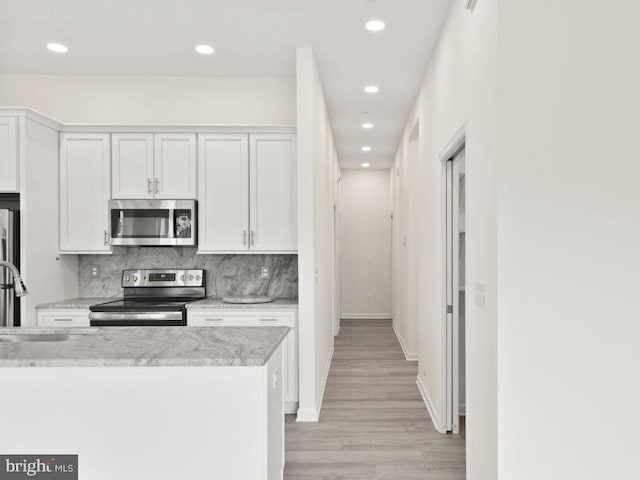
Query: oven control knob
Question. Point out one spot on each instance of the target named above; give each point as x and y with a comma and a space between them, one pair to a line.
135, 278
182, 277
198, 278
126, 278
190, 277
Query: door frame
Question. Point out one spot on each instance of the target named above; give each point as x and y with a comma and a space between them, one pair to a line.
449, 329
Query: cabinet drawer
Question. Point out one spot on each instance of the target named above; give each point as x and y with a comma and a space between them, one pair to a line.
238, 319
63, 318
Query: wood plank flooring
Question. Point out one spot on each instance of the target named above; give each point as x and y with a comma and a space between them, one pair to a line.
373, 424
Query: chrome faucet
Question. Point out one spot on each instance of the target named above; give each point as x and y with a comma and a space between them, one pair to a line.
18, 285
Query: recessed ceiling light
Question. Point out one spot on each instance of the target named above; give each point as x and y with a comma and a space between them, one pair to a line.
205, 49
367, 125
366, 165
366, 149
371, 89
57, 47
374, 25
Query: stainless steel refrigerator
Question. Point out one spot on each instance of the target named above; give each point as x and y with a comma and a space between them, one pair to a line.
9, 252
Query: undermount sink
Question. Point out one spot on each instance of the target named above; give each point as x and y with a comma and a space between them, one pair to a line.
34, 337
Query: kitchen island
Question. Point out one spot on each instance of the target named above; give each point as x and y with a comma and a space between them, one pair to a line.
147, 402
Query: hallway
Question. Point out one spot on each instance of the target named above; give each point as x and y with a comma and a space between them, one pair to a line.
373, 423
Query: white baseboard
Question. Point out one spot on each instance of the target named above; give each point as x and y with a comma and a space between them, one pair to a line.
313, 414
411, 357
433, 413
365, 316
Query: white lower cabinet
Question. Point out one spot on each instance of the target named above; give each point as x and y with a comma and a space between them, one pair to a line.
63, 318
260, 318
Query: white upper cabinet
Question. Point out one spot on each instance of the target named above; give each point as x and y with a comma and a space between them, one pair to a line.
273, 193
246, 192
85, 189
175, 166
147, 165
223, 192
8, 154
132, 165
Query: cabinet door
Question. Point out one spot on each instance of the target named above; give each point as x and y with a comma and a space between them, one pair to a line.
8, 155
175, 166
132, 165
84, 192
273, 192
223, 193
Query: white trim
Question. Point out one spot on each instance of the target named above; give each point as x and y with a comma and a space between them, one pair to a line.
433, 413
366, 316
31, 115
449, 383
454, 145
179, 128
411, 357
313, 414
36, 116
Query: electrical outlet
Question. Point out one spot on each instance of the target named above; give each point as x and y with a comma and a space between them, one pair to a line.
265, 272
95, 271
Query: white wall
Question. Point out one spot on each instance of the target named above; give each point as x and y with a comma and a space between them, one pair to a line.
154, 100
459, 87
48, 276
365, 244
317, 174
569, 237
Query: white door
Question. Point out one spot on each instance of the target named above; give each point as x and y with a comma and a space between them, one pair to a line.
85, 189
132, 165
454, 183
175, 166
8, 155
223, 192
273, 196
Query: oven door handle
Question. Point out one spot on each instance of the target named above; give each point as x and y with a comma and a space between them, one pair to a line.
135, 316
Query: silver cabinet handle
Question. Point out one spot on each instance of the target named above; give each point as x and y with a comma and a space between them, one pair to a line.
106, 237
213, 319
253, 238
149, 186
268, 319
244, 237
157, 186
63, 319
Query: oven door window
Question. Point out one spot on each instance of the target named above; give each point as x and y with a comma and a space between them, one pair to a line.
141, 223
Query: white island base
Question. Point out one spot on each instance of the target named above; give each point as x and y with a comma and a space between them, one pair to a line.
161, 423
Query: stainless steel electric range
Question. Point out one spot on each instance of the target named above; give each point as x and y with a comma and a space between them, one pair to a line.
156, 297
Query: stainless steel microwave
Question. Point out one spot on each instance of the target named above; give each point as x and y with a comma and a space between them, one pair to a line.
153, 222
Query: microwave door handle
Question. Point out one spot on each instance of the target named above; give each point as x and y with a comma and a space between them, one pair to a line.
172, 223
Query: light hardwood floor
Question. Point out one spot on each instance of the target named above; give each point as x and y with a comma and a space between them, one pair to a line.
373, 423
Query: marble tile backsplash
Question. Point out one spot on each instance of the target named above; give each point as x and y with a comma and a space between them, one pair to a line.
226, 274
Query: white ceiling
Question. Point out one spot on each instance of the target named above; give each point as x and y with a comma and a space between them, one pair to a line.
251, 38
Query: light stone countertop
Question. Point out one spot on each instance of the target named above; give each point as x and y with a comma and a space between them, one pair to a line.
217, 303
143, 347
78, 303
